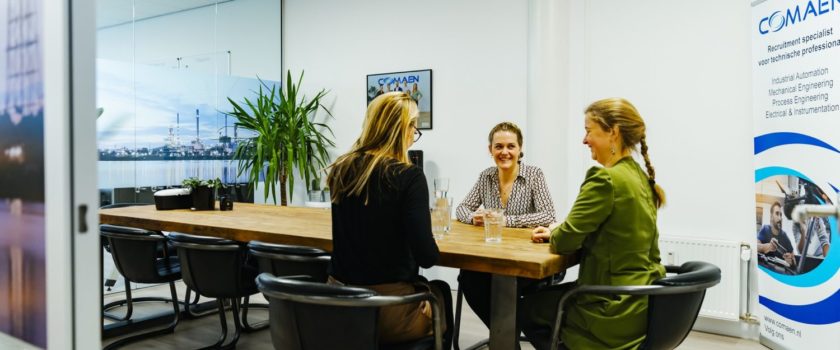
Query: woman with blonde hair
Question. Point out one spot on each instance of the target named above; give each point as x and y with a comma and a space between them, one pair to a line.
380, 219
613, 223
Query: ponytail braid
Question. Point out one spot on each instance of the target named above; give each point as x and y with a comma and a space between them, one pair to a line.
658, 193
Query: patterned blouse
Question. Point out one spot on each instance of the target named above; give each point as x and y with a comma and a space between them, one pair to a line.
529, 204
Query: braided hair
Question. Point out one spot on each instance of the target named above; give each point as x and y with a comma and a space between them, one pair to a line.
612, 112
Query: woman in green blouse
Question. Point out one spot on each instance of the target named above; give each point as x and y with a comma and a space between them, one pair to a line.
613, 223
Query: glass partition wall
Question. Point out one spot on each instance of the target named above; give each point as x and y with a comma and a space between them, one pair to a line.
165, 71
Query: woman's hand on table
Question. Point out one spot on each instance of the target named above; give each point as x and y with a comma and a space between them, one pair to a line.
541, 235
478, 217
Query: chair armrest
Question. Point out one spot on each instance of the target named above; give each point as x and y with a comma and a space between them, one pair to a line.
691, 277
672, 268
593, 289
299, 290
306, 278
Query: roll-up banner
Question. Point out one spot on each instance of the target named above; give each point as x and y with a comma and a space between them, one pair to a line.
796, 113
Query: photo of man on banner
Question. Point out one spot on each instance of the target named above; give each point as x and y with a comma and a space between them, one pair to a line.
785, 246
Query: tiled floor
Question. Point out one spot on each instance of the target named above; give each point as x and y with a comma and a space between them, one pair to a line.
192, 334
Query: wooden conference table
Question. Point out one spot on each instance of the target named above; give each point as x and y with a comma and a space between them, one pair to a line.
463, 247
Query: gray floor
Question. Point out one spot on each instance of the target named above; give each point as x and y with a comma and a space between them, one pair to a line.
191, 334
9, 342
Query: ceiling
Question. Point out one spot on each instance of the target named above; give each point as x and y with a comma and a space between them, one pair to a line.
115, 12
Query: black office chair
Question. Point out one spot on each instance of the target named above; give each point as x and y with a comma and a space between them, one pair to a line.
191, 309
284, 261
137, 258
216, 268
290, 260
111, 280
673, 304
129, 301
300, 312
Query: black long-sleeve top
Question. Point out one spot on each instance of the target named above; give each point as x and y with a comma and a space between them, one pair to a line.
386, 239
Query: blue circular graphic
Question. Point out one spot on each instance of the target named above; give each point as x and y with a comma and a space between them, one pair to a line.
828, 267
777, 21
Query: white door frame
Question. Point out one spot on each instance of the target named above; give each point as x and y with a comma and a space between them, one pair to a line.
74, 297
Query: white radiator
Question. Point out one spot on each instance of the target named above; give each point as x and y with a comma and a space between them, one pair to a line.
723, 300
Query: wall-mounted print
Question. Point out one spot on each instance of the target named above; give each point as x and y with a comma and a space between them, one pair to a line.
417, 83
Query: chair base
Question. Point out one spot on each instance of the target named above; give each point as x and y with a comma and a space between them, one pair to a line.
247, 327
481, 344
484, 344
126, 326
129, 304
193, 310
237, 326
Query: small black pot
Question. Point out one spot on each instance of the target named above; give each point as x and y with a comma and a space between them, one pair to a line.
203, 198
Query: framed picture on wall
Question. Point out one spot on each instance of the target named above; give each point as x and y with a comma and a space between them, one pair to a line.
417, 83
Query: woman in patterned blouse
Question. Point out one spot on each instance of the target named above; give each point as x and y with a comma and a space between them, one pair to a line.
517, 188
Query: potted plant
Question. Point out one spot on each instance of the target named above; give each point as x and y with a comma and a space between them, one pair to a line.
203, 192
315, 194
286, 136
326, 194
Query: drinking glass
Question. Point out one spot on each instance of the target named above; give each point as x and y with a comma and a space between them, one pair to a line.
445, 204
494, 221
441, 187
439, 222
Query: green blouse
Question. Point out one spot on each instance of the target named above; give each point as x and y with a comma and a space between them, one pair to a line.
613, 220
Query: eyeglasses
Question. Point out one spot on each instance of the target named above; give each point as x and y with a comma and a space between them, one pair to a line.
417, 133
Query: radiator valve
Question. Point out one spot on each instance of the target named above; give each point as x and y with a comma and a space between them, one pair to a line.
746, 252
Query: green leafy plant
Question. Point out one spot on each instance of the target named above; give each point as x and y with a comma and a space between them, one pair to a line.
191, 182
203, 192
286, 137
194, 182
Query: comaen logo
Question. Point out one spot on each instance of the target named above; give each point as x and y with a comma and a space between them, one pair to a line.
779, 20
404, 79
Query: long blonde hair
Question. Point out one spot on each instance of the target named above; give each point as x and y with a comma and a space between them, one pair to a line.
386, 135
612, 112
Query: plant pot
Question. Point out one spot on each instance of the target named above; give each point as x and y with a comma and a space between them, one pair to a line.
203, 198
315, 196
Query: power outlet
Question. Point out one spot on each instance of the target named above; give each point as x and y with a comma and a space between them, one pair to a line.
671, 258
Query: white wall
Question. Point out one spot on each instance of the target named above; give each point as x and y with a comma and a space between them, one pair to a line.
249, 29
476, 50
685, 65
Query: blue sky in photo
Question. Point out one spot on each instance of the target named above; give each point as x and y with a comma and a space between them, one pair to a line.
141, 102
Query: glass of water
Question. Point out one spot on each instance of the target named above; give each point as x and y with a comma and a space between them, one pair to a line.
445, 205
441, 187
494, 221
440, 219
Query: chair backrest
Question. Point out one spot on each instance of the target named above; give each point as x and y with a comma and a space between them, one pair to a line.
121, 205
211, 266
105, 243
134, 195
242, 192
309, 315
135, 251
289, 260
671, 315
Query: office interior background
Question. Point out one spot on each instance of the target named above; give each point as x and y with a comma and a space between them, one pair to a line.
135, 93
